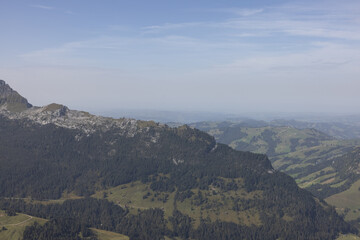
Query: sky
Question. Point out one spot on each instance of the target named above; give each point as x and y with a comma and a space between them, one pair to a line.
204, 55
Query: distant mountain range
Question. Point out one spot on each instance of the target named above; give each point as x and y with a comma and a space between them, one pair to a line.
147, 180
336, 125
348, 128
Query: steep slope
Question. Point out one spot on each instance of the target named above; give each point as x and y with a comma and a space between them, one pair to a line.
215, 192
344, 189
342, 173
11, 100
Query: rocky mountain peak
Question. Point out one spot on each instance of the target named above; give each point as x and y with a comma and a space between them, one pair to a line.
14, 106
5, 89
11, 100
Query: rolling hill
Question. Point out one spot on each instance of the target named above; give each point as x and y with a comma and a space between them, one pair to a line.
318, 162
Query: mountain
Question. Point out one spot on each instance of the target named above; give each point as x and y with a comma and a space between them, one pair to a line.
324, 165
261, 138
302, 153
148, 181
11, 100
348, 128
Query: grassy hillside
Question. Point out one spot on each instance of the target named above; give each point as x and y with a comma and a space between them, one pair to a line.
347, 202
308, 155
15, 225
213, 203
106, 235
348, 237
328, 167
346, 128
270, 140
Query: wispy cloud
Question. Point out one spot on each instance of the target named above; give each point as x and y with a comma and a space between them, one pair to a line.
326, 57
272, 39
248, 12
42, 7
332, 22
172, 26
243, 12
69, 12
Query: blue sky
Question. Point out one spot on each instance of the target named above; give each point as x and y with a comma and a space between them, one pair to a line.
220, 56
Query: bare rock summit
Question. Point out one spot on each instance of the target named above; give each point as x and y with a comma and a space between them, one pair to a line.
11, 100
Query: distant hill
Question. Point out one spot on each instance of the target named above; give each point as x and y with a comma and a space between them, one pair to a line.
345, 129
306, 154
258, 137
320, 163
149, 181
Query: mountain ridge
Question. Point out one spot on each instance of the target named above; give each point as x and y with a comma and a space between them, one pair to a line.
62, 116
48, 152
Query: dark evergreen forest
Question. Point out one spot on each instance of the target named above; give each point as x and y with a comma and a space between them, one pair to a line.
44, 161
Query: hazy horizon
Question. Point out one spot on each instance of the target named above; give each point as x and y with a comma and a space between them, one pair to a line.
206, 56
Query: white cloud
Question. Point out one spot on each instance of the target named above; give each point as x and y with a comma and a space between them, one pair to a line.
324, 21
247, 12
69, 12
43, 7
171, 26
243, 12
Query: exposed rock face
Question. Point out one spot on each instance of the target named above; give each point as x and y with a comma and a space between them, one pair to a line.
14, 106
11, 100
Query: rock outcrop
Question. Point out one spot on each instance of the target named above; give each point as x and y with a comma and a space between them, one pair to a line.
14, 106
12, 100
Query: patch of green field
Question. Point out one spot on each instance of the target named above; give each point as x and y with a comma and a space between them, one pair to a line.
219, 206
348, 237
139, 196
316, 180
173, 238
316, 175
106, 235
280, 162
282, 148
253, 132
348, 199
16, 225
300, 165
216, 204
338, 184
215, 132
64, 197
